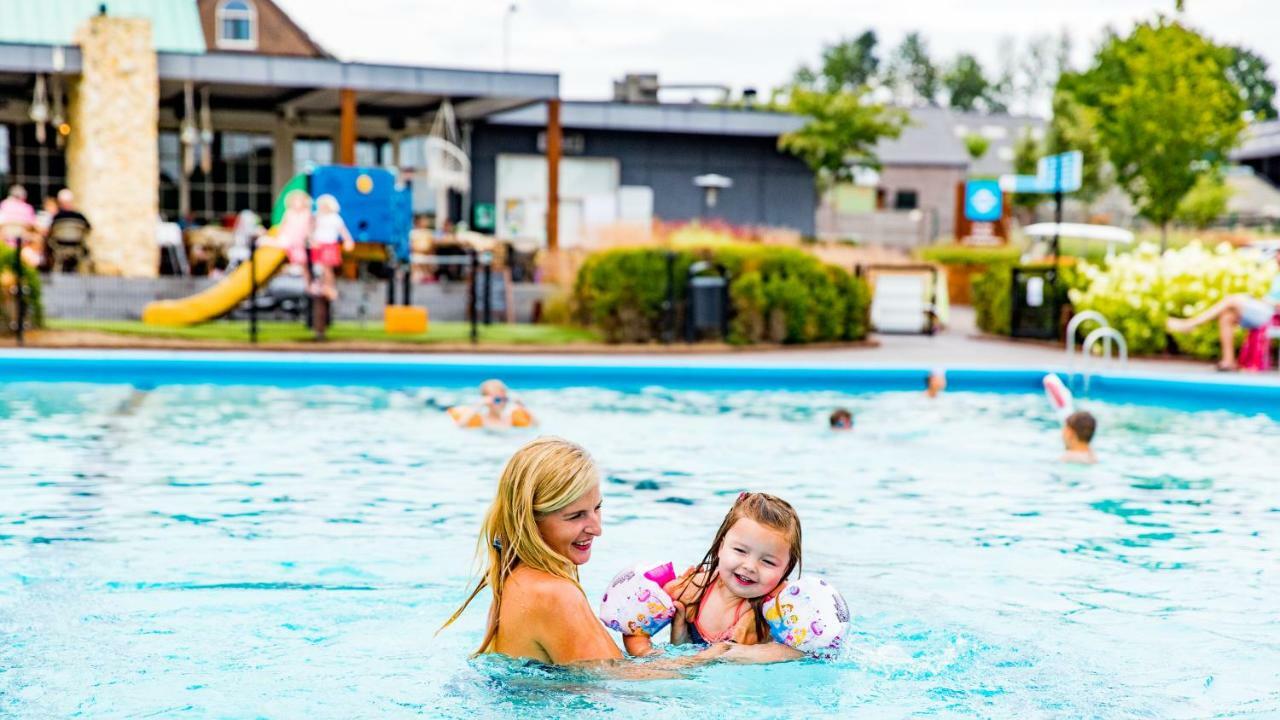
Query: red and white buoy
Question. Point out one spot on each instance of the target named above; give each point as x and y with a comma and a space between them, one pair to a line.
1059, 395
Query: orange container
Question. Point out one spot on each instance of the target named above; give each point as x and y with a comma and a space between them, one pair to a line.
405, 320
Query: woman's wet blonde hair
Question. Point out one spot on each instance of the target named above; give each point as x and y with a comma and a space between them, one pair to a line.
543, 477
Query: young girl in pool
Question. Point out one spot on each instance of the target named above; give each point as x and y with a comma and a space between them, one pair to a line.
722, 599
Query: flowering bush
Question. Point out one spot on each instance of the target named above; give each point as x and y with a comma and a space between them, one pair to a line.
1138, 291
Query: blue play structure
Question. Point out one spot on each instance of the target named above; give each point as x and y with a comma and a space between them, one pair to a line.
374, 207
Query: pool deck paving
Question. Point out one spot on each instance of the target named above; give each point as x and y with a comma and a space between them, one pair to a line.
960, 345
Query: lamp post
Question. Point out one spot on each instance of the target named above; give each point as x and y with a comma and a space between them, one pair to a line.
506, 35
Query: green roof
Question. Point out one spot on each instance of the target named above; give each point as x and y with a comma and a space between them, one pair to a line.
175, 24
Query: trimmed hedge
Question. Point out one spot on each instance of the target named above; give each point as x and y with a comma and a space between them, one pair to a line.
777, 294
31, 278
970, 254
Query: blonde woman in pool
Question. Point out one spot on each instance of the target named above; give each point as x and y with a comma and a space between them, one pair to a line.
542, 525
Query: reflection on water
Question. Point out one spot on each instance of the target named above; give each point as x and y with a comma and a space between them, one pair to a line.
227, 551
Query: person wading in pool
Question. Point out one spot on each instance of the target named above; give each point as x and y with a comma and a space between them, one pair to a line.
540, 528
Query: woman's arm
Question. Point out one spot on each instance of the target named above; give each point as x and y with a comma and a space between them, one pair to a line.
769, 652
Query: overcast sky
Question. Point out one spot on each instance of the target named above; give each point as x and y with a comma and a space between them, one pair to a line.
742, 43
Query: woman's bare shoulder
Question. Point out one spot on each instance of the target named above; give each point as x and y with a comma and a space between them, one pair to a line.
541, 587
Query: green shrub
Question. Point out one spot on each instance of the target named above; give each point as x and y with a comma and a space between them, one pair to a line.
776, 294
1139, 291
951, 254
31, 279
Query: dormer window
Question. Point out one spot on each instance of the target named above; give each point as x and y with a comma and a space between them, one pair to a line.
237, 22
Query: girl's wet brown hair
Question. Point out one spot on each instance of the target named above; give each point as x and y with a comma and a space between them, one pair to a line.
770, 511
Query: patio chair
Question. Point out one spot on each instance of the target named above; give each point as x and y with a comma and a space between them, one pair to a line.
173, 253
68, 244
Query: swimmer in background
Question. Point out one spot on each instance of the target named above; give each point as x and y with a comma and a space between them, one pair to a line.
1077, 432
496, 409
935, 383
841, 420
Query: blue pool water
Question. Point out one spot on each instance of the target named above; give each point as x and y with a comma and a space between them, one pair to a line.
248, 550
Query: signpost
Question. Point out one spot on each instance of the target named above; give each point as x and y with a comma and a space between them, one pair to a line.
1057, 175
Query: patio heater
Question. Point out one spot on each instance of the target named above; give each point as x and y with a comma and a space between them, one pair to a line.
711, 185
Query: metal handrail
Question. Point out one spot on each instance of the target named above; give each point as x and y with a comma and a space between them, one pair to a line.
1107, 335
1075, 323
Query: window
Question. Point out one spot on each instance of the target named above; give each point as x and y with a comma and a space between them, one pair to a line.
240, 177
309, 153
41, 168
906, 200
237, 23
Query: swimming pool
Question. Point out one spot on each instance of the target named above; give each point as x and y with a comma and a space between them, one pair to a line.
269, 541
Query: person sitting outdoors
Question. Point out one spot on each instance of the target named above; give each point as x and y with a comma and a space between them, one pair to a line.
67, 209
15, 210
1243, 311
18, 220
1077, 434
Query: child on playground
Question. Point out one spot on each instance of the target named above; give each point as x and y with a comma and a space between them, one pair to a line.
1077, 434
331, 239
723, 598
294, 234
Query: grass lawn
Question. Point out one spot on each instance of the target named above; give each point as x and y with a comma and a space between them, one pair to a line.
281, 331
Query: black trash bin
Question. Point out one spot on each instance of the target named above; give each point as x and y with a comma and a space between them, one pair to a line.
706, 303
1035, 303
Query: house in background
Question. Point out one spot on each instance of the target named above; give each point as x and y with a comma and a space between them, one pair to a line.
911, 200
254, 26
629, 161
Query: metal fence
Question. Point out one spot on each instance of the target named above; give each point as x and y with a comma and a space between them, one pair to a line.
90, 297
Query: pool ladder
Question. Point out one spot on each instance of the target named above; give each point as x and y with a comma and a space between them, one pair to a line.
1113, 343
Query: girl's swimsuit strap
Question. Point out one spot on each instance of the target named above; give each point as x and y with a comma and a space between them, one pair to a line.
737, 615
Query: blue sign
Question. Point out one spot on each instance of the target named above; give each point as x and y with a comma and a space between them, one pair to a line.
1054, 174
983, 200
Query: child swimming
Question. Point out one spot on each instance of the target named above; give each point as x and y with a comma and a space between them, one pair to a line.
1077, 433
841, 419
723, 598
497, 409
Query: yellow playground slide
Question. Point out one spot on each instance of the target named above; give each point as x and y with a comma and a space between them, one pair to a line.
218, 299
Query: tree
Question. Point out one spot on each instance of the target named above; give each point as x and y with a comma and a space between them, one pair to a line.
976, 145
912, 74
1206, 201
967, 87
847, 65
1074, 126
1166, 112
1027, 151
1249, 72
842, 130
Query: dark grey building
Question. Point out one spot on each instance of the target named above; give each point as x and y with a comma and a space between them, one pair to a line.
664, 147
1261, 150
